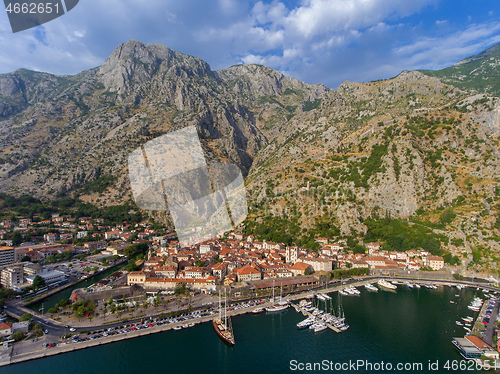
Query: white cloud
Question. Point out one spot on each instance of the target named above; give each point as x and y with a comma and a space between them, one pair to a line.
318, 41
435, 53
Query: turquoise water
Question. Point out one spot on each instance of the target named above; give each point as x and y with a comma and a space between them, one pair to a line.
410, 326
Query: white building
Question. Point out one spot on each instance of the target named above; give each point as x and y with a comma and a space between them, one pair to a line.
12, 276
204, 248
81, 234
292, 254
319, 264
49, 277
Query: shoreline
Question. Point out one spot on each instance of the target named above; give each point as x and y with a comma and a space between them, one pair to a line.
9, 358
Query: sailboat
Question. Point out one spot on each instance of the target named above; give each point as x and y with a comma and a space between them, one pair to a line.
223, 326
280, 305
341, 325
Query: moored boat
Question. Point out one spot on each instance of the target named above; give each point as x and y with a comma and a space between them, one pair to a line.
306, 323
222, 324
279, 306
385, 284
320, 297
409, 285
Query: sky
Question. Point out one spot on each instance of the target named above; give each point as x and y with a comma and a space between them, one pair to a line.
316, 41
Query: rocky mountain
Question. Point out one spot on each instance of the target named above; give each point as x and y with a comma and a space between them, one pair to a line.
479, 73
417, 147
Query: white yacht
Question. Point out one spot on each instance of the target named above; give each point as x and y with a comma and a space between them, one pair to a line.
326, 297
385, 284
319, 326
280, 305
320, 297
306, 323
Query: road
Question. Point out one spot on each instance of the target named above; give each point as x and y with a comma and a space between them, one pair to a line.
490, 328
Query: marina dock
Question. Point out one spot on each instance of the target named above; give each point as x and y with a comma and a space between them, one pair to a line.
305, 313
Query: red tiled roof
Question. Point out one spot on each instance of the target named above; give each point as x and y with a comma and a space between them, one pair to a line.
478, 342
299, 266
5, 325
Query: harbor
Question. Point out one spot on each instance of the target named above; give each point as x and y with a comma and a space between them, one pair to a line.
9, 356
275, 338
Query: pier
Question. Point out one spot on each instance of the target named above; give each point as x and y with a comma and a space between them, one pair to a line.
305, 313
29, 351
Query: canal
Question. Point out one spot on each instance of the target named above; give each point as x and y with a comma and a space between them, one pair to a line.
52, 300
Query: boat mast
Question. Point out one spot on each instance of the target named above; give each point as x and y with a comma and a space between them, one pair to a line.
220, 311
225, 310
340, 298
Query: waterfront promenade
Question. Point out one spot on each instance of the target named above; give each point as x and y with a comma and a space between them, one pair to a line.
27, 350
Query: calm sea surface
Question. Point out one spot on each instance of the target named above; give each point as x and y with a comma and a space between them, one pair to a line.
410, 326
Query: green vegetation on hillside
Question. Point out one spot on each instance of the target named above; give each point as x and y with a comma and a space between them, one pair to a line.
481, 75
281, 230
30, 207
99, 185
399, 235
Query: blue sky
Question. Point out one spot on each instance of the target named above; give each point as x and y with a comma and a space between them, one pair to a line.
316, 41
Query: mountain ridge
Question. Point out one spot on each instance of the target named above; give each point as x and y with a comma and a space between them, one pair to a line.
411, 145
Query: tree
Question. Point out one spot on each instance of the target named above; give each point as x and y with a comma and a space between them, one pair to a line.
18, 336
131, 266
38, 282
180, 288
359, 249
81, 308
37, 330
307, 272
17, 238
156, 301
26, 259
199, 263
62, 303
25, 317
